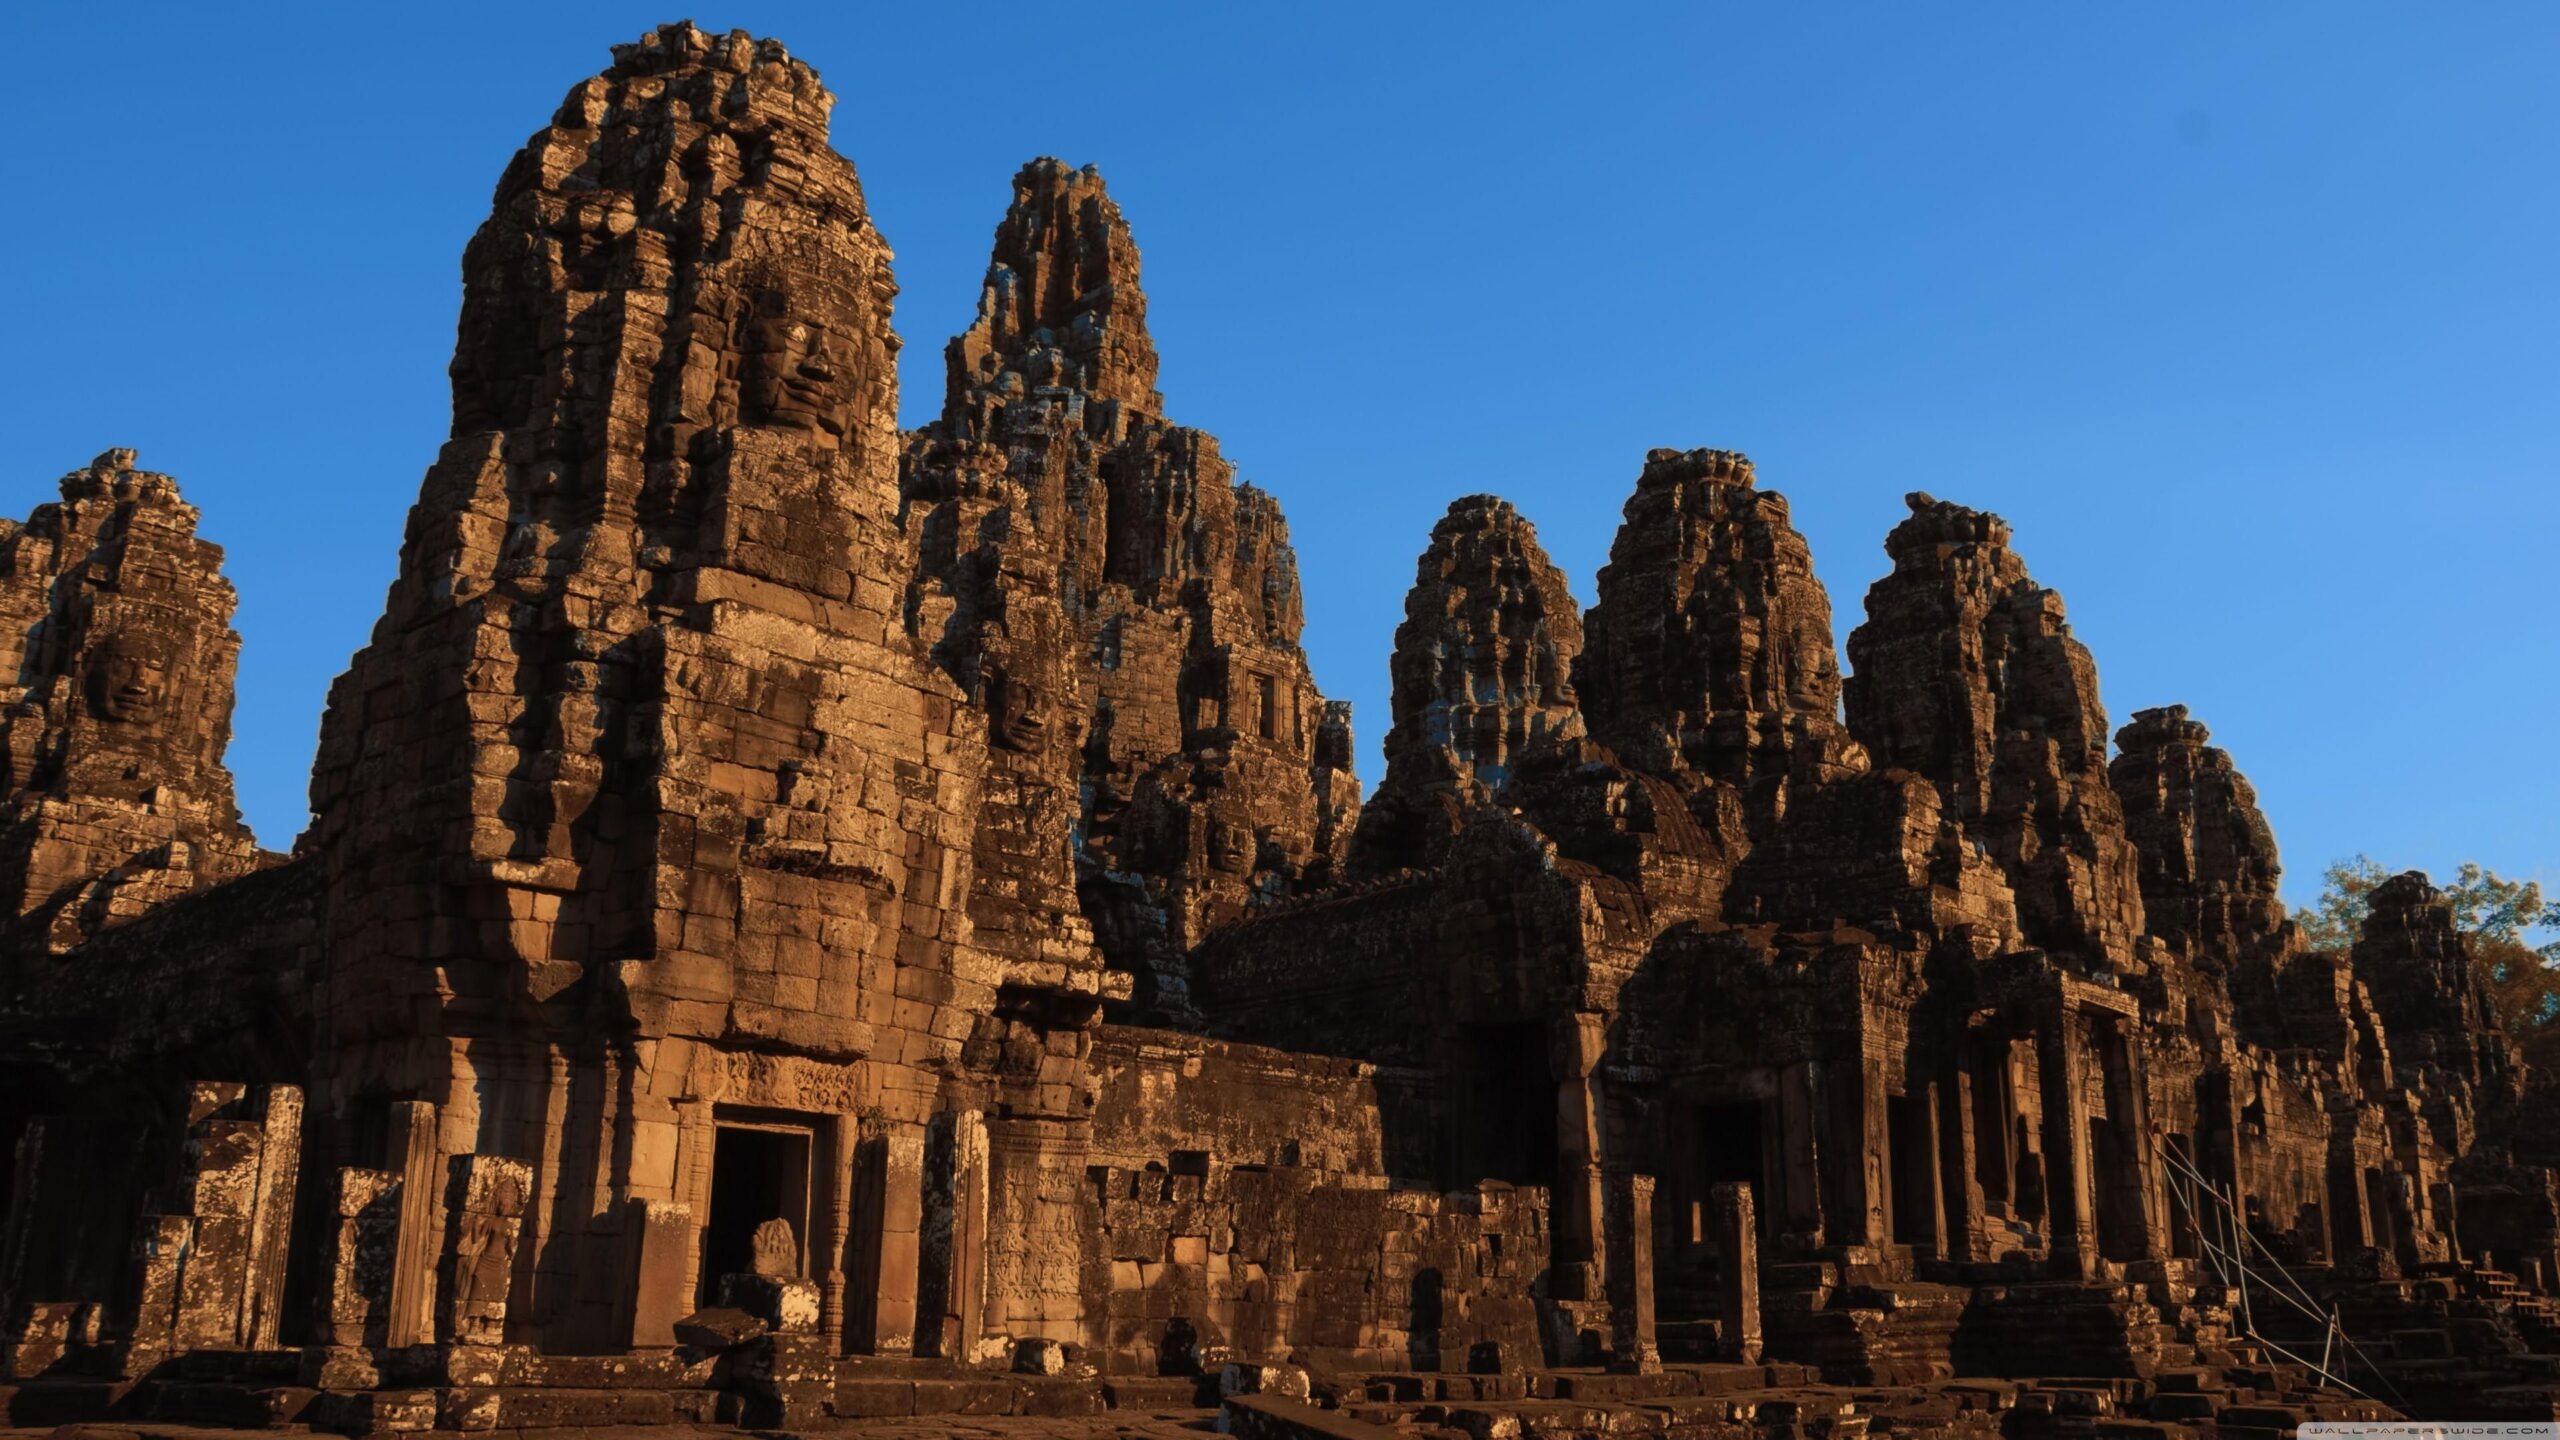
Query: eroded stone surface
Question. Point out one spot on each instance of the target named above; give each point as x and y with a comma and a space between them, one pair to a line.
1483, 671
115, 636
730, 842
1205, 781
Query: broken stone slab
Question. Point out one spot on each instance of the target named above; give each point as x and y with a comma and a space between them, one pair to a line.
1267, 1417
1243, 1378
786, 1306
1040, 1357
721, 1327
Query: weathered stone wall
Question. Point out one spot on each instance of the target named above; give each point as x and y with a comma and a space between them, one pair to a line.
729, 842
1239, 1205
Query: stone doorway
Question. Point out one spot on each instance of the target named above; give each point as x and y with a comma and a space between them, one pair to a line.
760, 1171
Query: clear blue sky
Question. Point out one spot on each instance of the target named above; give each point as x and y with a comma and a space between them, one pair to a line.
2246, 316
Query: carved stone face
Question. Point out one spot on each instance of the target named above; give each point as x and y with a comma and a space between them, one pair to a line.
1017, 713
1230, 847
128, 683
795, 369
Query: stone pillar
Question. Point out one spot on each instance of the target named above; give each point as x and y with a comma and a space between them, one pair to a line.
1926, 1192
271, 1216
657, 1271
952, 1281
18, 1234
160, 1257
362, 1245
1632, 1335
1856, 1157
888, 1220
414, 1154
834, 1226
1799, 1152
223, 1160
1581, 1253
486, 1204
1957, 1169
1736, 1227
2060, 1068
526, 1302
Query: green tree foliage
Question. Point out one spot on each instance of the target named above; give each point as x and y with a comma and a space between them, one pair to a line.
2503, 919
2346, 894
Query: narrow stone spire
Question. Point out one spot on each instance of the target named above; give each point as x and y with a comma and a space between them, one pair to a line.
1482, 669
1710, 653
1062, 306
1966, 673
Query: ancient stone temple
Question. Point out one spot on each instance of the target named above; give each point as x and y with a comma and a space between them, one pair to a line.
804, 923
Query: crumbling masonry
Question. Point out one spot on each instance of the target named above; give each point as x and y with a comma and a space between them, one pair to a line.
801, 919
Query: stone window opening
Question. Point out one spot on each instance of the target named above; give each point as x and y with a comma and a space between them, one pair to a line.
1266, 707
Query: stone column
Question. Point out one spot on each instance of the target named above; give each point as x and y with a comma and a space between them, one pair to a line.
223, 1160
1736, 1227
18, 1235
360, 1249
952, 1278
1928, 1194
657, 1271
1963, 1205
160, 1257
413, 1152
1581, 1253
1859, 1148
271, 1216
834, 1207
363, 1247
1632, 1334
888, 1219
1799, 1153
2060, 1068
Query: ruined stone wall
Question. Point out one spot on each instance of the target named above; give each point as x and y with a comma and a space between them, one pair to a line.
1240, 1204
731, 775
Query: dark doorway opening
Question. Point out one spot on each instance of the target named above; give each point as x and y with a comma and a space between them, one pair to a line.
759, 1172
1910, 1141
1513, 1097
1729, 1148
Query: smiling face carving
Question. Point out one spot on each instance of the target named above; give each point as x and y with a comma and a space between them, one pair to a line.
795, 368
128, 683
1017, 713
1230, 847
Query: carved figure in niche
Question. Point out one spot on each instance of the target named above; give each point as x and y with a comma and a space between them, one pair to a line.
477, 1273
777, 1250
1230, 847
1017, 712
128, 682
794, 367
480, 1261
